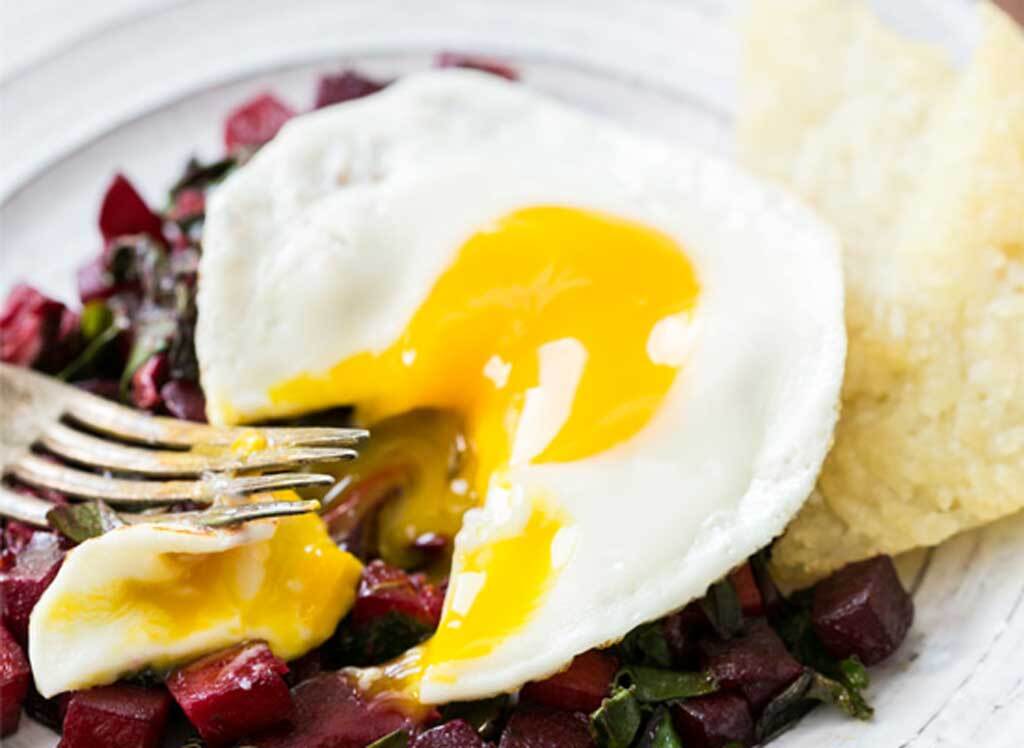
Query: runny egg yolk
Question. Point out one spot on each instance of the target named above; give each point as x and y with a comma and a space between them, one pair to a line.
545, 335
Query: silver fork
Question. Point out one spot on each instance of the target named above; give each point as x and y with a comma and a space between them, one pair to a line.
157, 460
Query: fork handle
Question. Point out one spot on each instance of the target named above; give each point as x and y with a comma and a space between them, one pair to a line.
28, 509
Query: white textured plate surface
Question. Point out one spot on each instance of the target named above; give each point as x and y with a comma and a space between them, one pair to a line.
142, 95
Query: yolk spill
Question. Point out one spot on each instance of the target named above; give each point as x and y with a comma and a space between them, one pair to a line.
290, 590
538, 337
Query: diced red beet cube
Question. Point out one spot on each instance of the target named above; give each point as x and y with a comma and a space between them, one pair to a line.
118, 715
742, 579
256, 121
124, 212
105, 388
14, 681
344, 86
147, 381
534, 728
580, 688
455, 734
330, 713
21, 586
682, 630
713, 721
18, 534
37, 331
188, 204
233, 693
756, 663
385, 589
476, 62
185, 400
862, 610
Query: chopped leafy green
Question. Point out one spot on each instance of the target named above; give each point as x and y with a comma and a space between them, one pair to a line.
784, 710
199, 175
96, 317
485, 716
616, 722
652, 685
854, 673
722, 607
397, 739
79, 522
660, 732
376, 642
850, 700
646, 645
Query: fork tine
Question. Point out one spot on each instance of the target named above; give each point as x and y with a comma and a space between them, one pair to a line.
23, 508
224, 516
85, 449
135, 426
46, 474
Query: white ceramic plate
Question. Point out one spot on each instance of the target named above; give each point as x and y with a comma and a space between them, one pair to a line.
143, 95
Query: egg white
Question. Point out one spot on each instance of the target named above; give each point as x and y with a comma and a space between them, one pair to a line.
325, 244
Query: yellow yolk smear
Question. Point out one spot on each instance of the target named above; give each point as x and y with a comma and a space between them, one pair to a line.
552, 301
291, 590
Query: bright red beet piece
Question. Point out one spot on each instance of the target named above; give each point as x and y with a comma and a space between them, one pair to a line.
529, 728
184, 400
713, 721
233, 693
14, 681
21, 586
579, 688
742, 579
147, 381
384, 589
345, 86
119, 715
124, 212
862, 610
330, 713
255, 122
188, 204
756, 664
455, 734
37, 331
475, 62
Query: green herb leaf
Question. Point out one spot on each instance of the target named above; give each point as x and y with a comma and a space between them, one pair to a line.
397, 739
660, 732
616, 722
785, 709
485, 716
79, 522
848, 699
652, 685
854, 673
96, 317
379, 641
646, 645
722, 607
199, 176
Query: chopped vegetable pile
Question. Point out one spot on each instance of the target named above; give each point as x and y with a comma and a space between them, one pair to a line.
735, 668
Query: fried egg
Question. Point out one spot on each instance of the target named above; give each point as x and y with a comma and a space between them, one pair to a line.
645, 347
159, 595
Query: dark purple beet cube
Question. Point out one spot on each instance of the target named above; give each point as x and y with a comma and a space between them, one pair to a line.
713, 721
21, 586
682, 630
529, 728
119, 715
255, 122
331, 713
14, 681
185, 400
862, 610
579, 688
757, 663
233, 693
455, 734
124, 212
384, 589
344, 86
